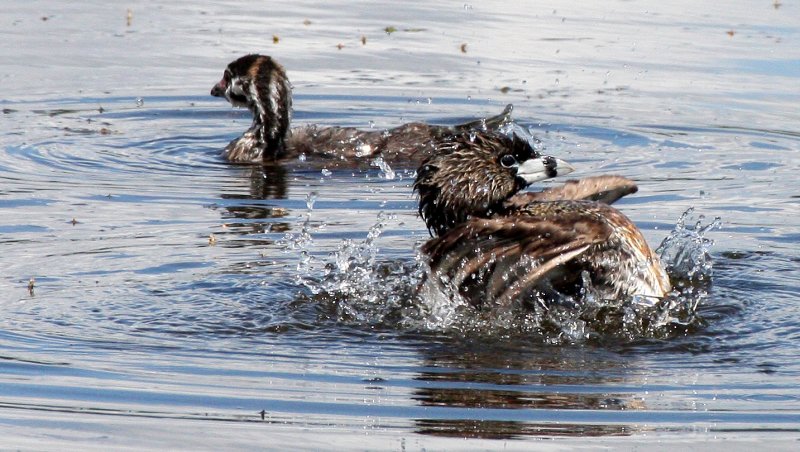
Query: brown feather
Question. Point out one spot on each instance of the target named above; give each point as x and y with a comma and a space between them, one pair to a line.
605, 189
497, 246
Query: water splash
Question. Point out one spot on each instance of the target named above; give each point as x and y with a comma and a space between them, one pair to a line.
588, 316
361, 289
513, 128
386, 171
684, 252
302, 243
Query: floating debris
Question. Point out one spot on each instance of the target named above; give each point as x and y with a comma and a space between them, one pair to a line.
340, 46
389, 30
731, 33
306, 22
129, 17
363, 40
31, 284
74, 221
212, 240
464, 48
276, 39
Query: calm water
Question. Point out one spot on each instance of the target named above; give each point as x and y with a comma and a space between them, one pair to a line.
111, 189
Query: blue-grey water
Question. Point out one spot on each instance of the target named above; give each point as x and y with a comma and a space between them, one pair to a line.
153, 296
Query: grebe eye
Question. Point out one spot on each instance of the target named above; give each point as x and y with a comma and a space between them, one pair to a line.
508, 161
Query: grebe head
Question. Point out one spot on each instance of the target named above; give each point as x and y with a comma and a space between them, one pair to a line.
258, 83
473, 173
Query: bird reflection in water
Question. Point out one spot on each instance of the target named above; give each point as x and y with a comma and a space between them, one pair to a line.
249, 215
459, 376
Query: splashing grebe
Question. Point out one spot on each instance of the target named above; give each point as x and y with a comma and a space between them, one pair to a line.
498, 246
259, 83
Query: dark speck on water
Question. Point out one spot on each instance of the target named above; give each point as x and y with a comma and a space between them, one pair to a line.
148, 286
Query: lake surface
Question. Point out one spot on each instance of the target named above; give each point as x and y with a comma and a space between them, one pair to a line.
153, 296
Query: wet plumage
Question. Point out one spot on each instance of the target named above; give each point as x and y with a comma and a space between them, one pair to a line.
497, 246
260, 84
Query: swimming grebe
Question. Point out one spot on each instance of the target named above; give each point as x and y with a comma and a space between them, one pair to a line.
498, 246
259, 83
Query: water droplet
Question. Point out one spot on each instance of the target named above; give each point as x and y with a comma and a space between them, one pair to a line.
363, 150
311, 198
386, 171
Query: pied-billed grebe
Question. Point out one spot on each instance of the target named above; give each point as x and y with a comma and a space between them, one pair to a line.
260, 84
498, 246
